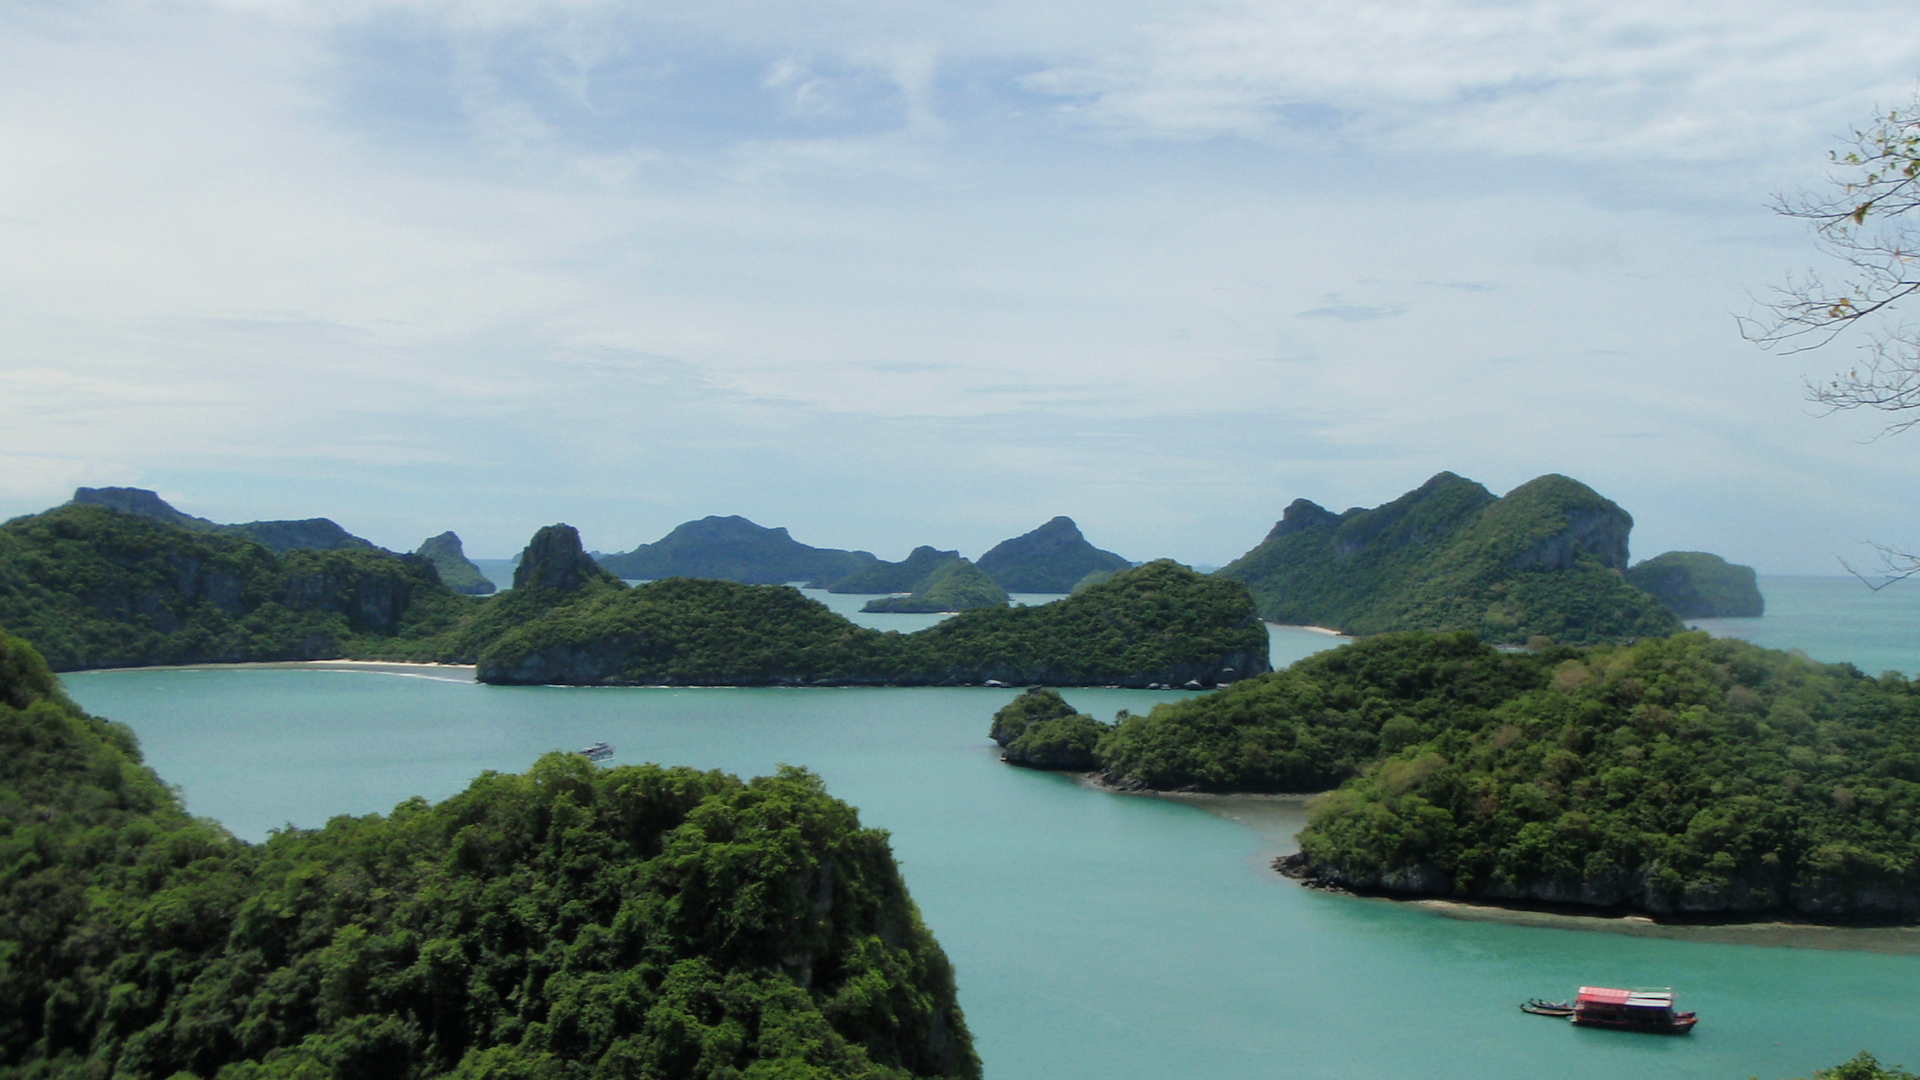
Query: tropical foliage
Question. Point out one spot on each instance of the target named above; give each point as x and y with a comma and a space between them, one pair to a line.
1039, 729
91, 587
572, 923
1160, 622
1678, 774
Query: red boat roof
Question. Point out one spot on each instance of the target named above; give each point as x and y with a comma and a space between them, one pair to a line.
1642, 999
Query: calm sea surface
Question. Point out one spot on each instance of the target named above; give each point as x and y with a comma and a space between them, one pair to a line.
1835, 619
1094, 935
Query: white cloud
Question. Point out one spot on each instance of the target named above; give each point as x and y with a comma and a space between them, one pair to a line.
919, 272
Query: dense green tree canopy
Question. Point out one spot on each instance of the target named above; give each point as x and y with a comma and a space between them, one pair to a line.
1157, 623
572, 923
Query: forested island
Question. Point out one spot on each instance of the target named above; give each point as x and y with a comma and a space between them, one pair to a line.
1679, 776
1545, 560
319, 534
95, 587
1159, 623
449, 559
570, 922
1051, 559
1699, 585
954, 586
735, 549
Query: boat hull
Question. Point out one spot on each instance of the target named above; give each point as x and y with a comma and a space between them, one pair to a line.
1678, 1025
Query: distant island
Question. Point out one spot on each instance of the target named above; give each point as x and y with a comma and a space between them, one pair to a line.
317, 534
955, 586
1696, 585
575, 920
1677, 776
97, 587
903, 576
1545, 560
1159, 623
735, 549
1051, 559
449, 558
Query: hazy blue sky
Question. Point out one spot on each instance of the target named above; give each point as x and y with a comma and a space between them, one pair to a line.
904, 272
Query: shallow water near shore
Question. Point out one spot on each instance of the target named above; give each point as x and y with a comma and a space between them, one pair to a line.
1094, 934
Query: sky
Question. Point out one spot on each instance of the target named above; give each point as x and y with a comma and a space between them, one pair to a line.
915, 272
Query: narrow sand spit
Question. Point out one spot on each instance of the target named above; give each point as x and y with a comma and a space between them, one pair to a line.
442, 672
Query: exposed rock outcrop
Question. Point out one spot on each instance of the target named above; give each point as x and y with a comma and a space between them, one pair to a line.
554, 559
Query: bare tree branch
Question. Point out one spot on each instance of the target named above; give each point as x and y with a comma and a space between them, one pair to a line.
1864, 219
1895, 565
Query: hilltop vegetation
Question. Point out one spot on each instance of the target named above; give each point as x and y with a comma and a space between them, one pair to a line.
320, 534
955, 586
1686, 774
92, 587
1158, 623
1051, 559
1545, 560
1697, 585
1683, 774
571, 922
1305, 728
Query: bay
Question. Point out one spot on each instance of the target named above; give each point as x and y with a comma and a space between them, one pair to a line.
1094, 934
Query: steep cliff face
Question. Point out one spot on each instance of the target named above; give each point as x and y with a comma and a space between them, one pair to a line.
1757, 887
1542, 560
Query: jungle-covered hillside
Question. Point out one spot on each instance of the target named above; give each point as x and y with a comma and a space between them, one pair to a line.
1675, 775
571, 923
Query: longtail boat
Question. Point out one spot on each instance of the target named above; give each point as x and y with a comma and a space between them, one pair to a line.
1631, 1010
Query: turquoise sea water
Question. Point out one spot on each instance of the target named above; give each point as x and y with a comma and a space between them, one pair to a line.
1835, 619
1094, 935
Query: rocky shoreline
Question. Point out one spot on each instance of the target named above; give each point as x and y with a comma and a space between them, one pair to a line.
1746, 898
